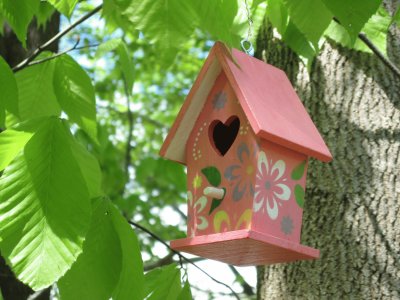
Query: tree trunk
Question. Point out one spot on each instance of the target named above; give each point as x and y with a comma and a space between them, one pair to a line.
13, 53
352, 205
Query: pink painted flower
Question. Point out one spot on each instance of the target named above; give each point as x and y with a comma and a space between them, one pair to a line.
270, 189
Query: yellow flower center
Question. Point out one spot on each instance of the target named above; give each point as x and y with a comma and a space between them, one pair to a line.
249, 170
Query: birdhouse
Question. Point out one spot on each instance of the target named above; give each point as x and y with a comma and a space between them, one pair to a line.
245, 138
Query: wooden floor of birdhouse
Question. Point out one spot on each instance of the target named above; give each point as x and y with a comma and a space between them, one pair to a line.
245, 248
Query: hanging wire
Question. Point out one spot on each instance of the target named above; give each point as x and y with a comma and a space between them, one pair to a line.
247, 46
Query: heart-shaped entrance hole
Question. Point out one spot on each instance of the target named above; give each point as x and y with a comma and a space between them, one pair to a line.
223, 135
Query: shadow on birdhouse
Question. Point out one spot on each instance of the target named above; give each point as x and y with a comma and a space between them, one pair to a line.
245, 138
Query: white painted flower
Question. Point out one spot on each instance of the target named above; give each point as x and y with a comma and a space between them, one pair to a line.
199, 222
270, 189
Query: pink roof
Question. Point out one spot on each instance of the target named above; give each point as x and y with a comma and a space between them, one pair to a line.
267, 97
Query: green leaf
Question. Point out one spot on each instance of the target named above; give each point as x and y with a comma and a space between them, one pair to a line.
299, 195
8, 88
11, 144
298, 42
131, 281
127, 66
375, 29
298, 172
216, 17
107, 47
116, 13
396, 16
44, 208
277, 14
163, 283
89, 166
352, 14
96, 272
75, 93
213, 175
186, 293
2, 117
44, 13
36, 94
167, 22
311, 17
19, 14
66, 7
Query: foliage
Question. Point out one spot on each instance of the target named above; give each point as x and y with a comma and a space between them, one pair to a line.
82, 131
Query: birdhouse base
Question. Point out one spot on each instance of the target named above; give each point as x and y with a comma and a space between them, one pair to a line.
245, 248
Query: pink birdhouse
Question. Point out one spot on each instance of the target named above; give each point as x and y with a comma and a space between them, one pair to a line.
245, 138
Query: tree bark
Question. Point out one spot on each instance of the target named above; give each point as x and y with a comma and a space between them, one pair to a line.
352, 205
13, 53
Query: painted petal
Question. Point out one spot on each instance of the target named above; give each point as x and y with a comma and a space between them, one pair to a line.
258, 204
272, 211
220, 218
204, 223
229, 172
190, 197
262, 161
285, 195
242, 148
237, 193
202, 202
280, 166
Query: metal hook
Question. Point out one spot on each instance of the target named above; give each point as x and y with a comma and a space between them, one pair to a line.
247, 46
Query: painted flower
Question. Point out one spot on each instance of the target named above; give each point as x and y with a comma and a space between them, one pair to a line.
219, 101
242, 174
270, 189
195, 208
287, 225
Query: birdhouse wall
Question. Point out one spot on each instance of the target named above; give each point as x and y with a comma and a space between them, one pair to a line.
252, 179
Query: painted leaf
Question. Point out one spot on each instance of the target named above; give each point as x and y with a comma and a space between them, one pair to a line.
19, 14
131, 281
186, 293
311, 17
8, 88
45, 210
163, 283
298, 171
97, 270
213, 175
214, 204
352, 14
35, 89
75, 93
299, 195
66, 7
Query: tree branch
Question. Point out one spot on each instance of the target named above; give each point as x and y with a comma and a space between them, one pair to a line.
376, 51
55, 38
156, 237
247, 288
128, 158
75, 47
